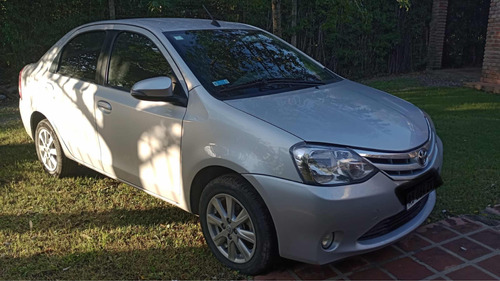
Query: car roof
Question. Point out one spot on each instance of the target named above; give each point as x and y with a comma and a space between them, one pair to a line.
173, 24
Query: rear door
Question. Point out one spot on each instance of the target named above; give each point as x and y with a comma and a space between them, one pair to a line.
74, 82
140, 141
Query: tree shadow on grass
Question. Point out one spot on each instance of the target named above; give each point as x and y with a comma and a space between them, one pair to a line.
13, 159
16, 153
17, 159
164, 262
114, 218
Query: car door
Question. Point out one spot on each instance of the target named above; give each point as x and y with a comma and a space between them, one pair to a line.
73, 82
140, 140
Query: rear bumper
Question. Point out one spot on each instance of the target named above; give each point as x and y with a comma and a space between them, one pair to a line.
25, 111
303, 214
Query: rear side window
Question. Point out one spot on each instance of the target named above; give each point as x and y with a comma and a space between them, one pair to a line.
79, 57
135, 58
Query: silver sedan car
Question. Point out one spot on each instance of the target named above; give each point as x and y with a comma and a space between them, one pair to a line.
278, 155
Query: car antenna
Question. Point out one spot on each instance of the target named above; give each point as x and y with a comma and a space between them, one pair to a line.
214, 22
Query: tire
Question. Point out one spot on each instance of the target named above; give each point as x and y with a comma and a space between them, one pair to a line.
247, 243
50, 153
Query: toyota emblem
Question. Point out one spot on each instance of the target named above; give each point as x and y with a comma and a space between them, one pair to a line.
422, 157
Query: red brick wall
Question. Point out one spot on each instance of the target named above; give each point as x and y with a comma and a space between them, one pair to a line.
491, 62
436, 35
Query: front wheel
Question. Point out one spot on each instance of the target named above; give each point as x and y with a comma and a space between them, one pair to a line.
50, 153
237, 225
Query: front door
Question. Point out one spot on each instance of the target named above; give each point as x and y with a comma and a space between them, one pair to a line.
140, 141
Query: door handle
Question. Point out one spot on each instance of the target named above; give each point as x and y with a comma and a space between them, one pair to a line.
104, 106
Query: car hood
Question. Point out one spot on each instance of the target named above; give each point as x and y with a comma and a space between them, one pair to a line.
343, 113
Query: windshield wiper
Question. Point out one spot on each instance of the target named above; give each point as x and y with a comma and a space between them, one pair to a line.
261, 83
292, 81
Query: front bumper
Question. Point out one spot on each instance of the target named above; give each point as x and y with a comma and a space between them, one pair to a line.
303, 214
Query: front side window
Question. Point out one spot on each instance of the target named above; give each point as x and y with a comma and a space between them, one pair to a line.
135, 58
244, 63
79, 57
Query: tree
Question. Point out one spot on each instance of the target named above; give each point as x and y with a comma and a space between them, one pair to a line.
276, 11
294, 23
111, 4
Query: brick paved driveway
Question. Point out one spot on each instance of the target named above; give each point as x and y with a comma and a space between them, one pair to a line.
455, 248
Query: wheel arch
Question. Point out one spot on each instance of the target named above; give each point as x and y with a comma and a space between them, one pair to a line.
200, 181
36, 117
207, 174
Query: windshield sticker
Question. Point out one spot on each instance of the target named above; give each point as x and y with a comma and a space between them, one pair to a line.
178, 37
220, 82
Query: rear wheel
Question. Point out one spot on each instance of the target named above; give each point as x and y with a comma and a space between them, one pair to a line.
237, 225
50, 153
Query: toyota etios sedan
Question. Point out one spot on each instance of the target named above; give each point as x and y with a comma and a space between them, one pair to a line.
278, 155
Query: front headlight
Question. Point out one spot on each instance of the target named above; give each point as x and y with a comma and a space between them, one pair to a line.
328, 165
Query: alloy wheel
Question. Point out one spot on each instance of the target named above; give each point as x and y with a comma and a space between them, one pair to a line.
231, 228
47, 150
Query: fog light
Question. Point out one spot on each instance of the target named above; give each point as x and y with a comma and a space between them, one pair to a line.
327, 241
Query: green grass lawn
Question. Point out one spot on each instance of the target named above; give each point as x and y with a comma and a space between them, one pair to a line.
96, 228
87, 227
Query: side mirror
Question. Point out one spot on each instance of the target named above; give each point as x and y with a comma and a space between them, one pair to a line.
157, 89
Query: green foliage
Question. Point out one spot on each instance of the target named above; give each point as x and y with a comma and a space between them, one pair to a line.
29, 28
404, 4
465, 33
355, 38
364, 38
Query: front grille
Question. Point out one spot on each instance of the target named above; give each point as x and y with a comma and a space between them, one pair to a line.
404, 166
394, 222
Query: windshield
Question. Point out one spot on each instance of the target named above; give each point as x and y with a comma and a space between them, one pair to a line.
242, 63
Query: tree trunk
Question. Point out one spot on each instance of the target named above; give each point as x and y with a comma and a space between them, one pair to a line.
111, 9
294, 23
276, 7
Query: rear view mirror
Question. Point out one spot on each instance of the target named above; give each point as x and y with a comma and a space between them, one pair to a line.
157, 89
